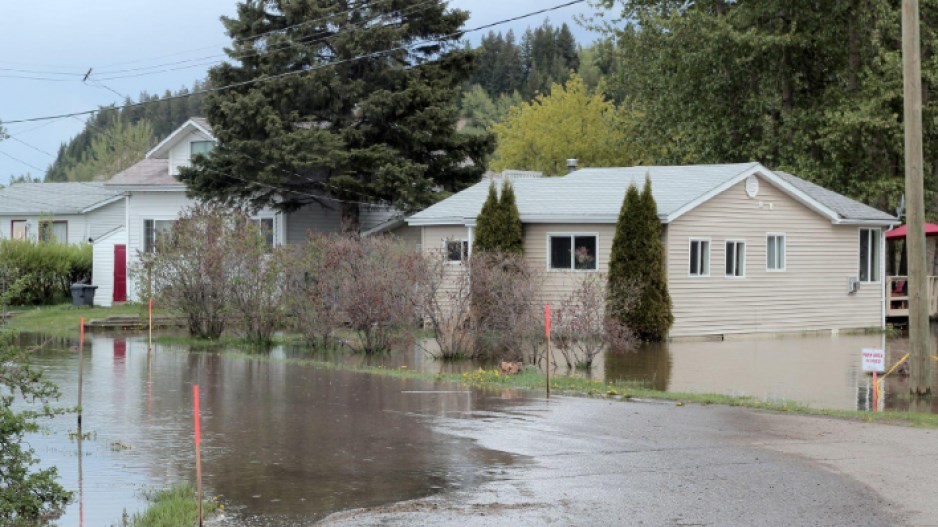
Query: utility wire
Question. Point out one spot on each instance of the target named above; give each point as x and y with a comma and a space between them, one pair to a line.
18, 160
298, 72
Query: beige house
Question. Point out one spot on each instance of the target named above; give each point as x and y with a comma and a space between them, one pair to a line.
748, 249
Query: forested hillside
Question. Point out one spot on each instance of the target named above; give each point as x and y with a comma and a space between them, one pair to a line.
111, 141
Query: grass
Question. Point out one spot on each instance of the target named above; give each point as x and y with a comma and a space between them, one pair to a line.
63, 320
172, 507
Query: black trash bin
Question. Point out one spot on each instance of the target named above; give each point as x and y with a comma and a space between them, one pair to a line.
78, 295
88, 294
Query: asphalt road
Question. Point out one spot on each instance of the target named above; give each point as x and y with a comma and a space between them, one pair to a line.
597, 462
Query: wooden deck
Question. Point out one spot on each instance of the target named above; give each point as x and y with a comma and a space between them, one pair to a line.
897, 296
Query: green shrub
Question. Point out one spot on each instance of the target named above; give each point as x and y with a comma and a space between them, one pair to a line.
46, 270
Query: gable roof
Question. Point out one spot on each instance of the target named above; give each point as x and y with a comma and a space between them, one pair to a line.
148, 172
194, 124
55, 198
594, 195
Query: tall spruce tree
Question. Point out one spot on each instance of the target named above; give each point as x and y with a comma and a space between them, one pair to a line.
636, 265
498, 226
363, 107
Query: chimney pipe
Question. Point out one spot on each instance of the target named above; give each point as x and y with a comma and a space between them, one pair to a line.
571, 165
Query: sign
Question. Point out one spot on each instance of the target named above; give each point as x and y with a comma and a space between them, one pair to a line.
874, 360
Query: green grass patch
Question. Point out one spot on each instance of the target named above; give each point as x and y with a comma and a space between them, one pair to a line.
63, 320
172, 507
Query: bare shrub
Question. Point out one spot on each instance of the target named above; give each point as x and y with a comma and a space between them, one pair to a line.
189, 269
257, 278
582, 328
505, 308
445, 303
313, 291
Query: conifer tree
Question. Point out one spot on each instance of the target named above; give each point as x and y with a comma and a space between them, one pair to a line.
636, 266
512, 239
486, 232
498, 226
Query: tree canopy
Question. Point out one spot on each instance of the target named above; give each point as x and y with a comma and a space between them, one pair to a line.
363, 107
570, 122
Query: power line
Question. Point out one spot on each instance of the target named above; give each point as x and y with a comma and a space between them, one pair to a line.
37, 149
18, 160
299, 72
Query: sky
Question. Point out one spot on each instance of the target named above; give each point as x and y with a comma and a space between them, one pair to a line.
57, 41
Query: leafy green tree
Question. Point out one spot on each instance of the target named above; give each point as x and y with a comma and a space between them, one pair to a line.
729, 81
26, 496
636, 263
364, 108
569, 123
116, 148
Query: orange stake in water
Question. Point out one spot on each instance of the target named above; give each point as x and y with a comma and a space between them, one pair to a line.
81, 362
198, 448
547, 331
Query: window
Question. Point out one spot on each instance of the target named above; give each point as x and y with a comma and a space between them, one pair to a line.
153, 230
200, 147
735, 259
456, 250
700, 257
575, 252
19, 230
869, 255
775, 252
266, 226
53, 231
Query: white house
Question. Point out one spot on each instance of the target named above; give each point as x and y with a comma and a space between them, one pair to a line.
748, 249
62, 212
153, 197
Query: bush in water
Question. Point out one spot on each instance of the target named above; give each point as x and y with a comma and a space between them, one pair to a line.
581, 326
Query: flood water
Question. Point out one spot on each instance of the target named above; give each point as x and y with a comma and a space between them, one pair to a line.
283, 443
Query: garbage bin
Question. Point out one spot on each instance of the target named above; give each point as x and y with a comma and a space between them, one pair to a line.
88, 294
78, 295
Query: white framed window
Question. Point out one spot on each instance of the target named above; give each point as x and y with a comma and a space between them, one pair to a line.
53, 231
266, 227
869, 255
735, 259
572, 252
775, 251
699, 264
200, 147
455, 251
153, 230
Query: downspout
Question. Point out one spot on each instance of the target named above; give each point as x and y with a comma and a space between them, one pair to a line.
882, 271
129, 286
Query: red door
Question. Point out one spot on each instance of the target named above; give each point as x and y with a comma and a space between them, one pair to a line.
120, 273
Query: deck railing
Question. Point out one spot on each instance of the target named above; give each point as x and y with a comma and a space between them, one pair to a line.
897, 296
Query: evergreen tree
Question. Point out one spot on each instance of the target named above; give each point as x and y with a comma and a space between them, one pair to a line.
487, 223
636, 266
512, 232
364, 109
498, 226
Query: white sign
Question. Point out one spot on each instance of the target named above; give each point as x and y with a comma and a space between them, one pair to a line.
874, 360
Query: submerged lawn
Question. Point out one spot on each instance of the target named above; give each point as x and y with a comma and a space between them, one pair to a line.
64, 320
173, 507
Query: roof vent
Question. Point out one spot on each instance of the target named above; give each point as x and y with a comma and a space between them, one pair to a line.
571, 165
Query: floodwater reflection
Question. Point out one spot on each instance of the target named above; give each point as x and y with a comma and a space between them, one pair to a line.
280, 441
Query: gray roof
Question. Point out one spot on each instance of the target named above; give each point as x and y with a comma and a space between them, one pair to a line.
594, 195
150, 171
842, 205
203, 122
54, 198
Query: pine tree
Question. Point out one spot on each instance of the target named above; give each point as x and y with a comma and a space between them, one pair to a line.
486, 232
364, 108
636, 266
512, 232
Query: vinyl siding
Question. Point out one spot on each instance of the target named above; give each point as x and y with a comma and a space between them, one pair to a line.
80, 226
811, 294
312, 219
104, 220
180, 154
557, 285
102, 274
145, 206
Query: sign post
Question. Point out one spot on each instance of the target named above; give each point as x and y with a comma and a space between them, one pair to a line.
547, 331
874, 360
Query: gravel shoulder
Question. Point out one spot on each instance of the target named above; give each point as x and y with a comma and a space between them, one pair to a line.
600, 462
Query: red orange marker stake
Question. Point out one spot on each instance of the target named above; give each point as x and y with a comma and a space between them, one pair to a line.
81, 362
198, 448
547, 331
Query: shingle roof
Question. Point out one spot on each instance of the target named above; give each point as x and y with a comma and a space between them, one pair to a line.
203, 122
150, 171
594, 195
846, 207
54, 198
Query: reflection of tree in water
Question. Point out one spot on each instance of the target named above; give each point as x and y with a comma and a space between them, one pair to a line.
649, 364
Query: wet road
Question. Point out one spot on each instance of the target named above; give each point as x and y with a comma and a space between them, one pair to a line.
646, 463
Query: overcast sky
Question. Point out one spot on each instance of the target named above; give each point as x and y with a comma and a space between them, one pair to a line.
57, 41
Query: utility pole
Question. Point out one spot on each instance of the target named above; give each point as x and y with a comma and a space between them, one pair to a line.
919, 334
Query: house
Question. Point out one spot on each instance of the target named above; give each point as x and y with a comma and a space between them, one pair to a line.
153, 198
748, 249
62, 212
